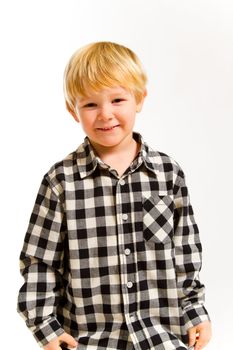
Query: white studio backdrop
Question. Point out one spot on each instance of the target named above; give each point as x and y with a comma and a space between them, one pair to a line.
186, 47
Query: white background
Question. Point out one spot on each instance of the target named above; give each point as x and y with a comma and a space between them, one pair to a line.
186, 47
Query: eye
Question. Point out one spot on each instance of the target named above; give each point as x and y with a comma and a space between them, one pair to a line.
89, 105
118, 100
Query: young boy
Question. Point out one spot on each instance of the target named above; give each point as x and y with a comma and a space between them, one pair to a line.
112, 254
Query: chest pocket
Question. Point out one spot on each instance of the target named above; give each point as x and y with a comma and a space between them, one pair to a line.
158, 218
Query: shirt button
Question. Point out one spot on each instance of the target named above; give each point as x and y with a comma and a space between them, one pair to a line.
122, 182
127, 251
129, 284
124, 216
132, 318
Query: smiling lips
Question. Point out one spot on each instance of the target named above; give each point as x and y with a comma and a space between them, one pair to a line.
107, 129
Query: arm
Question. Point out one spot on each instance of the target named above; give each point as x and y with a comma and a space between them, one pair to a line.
42, 266
188, 258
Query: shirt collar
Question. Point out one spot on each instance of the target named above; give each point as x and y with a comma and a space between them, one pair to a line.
88, 160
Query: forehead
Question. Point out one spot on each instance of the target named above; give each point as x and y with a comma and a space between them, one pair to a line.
106, 92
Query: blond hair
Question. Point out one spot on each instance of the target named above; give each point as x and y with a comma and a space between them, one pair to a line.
100, 65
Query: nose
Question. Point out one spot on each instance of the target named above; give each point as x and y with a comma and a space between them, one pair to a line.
105, 113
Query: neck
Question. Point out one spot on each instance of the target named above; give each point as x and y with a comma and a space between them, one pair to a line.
129, 145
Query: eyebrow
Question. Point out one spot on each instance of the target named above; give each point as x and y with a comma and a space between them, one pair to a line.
114, 94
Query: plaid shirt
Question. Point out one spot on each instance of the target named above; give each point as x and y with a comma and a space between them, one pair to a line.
114, 261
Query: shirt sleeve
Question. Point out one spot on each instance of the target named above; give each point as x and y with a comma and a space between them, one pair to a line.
188, 257
41, 265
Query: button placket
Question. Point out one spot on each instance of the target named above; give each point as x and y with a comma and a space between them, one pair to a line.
125, 241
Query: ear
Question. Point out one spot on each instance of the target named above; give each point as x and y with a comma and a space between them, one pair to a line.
140, 103
74, 115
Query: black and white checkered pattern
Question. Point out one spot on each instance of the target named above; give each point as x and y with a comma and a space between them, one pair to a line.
114, 261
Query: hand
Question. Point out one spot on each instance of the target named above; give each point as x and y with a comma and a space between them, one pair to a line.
64, 338
200, 335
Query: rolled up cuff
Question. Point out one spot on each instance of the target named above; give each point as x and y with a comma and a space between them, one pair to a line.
47, 331
195, 314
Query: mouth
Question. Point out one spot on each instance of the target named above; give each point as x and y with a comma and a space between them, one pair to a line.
109, 128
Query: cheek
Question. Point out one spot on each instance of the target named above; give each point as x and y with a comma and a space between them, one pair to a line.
86, 119
127, 113
86, 125
131, 114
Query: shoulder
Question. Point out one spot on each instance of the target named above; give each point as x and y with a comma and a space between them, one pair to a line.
62, 173
165, 163
168, 171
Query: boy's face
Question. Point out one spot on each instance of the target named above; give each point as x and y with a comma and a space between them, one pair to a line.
108, 116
